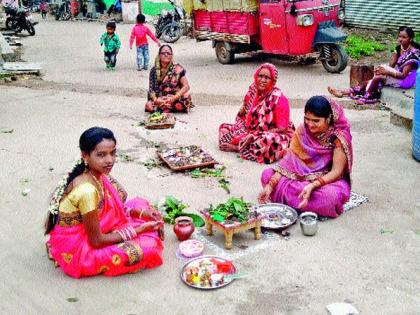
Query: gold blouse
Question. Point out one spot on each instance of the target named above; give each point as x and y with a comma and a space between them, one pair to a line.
81, 200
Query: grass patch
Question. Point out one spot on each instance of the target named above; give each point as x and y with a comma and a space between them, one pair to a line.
358, 47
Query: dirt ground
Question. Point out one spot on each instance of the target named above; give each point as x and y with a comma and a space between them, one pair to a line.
368, 257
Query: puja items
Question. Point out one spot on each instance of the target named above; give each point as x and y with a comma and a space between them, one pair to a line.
186, 158
208, 272
191, 248
160, 121
233, 217
308, 223
277, 215
183, 228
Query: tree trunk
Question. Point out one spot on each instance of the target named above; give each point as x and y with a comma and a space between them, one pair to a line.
360, 73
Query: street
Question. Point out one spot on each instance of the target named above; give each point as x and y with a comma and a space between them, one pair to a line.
368, 257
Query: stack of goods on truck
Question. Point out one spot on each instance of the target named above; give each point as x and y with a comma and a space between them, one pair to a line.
228, 17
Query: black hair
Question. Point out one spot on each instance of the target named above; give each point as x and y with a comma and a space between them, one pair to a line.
411, 35
319, 106
163, 46
111, 24
88, 141
140, 18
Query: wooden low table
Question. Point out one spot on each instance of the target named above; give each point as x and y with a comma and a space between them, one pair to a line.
230, 228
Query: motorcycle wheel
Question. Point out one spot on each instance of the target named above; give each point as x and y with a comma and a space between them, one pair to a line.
30, 28
224, 55
171, 34
65, 16
9, 23
15, 27
334, 58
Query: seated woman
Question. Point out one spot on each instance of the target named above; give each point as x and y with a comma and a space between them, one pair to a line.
314, 175
168, 85
262, 130
400, 73
92, 229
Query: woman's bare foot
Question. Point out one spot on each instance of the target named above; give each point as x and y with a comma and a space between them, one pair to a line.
335, 92
227, 147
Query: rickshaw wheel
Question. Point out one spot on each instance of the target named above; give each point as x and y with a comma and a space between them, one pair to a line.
224, 55
333, 58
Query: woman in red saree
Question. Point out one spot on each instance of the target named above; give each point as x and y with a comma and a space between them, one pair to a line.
314, 175
262, 130
91, 230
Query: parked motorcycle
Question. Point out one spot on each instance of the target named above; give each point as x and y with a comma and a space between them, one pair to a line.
63, 11
170, 24
19, 19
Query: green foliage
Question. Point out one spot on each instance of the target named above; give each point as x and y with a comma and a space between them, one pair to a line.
172, 208
234, 208
357, 47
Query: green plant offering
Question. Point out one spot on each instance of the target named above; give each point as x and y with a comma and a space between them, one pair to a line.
172, 208
207, 172
233, 209
357, 47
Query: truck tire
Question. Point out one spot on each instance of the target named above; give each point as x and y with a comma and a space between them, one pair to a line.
223, 54
334, 58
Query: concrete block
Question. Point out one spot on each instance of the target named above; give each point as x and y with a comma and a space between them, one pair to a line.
401, 104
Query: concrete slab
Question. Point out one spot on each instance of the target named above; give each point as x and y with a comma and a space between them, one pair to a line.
401, 104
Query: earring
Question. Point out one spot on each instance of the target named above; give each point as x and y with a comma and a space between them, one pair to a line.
86, 163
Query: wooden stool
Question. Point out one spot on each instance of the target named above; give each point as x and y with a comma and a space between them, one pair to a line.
229, 229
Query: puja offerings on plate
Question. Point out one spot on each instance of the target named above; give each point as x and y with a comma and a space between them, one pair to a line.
234, 216
276, 215
208, 272
160, 121
186, 158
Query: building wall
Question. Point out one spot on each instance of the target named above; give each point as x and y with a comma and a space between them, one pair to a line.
383, 13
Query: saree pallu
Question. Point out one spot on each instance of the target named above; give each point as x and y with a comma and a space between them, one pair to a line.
70, 247
310, 157
168, 86
256, 118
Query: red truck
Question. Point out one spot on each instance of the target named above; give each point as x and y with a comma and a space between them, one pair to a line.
277, 27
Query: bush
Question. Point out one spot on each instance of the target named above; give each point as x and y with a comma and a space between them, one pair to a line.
357, 47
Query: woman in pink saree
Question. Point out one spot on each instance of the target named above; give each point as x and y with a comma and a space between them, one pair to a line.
262, 129
314, 175
92, 229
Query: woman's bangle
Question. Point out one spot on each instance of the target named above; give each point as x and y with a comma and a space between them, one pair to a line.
321, 181
122, 235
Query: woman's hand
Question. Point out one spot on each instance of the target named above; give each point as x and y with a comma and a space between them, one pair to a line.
149, 227
245, 142
305, 195
380, 70
149, 213
265, 194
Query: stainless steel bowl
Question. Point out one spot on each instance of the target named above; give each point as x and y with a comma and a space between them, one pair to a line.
308, 223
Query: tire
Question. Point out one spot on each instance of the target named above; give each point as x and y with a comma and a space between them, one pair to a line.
30, 28
333, 58
65, 16
171, 36
15, 27
9, 23
224, 55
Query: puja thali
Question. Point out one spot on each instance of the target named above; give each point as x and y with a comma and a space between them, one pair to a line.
276, 215
186, 158
208, 272
160, 121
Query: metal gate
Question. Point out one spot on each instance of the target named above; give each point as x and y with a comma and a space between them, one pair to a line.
388, 14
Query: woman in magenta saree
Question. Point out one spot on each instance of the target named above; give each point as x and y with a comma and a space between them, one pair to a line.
262, 130
314, 175
92, 229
